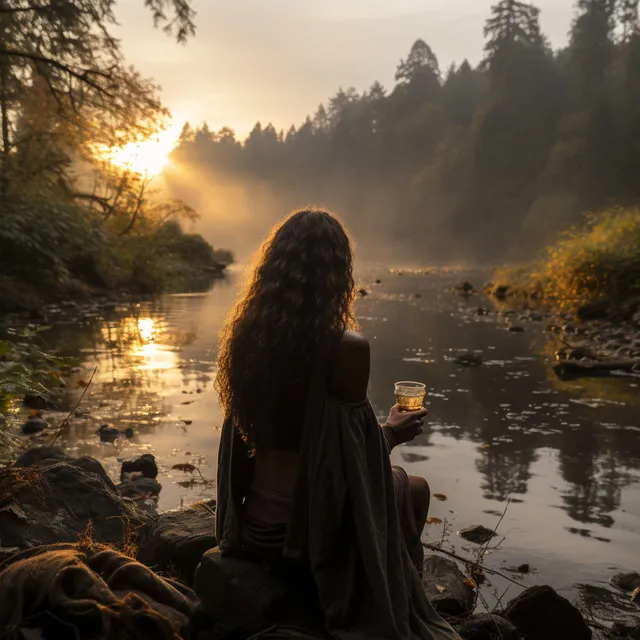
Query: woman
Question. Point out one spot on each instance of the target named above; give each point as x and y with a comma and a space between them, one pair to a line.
304, 475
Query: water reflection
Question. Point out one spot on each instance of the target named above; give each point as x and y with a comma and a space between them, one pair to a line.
567, 454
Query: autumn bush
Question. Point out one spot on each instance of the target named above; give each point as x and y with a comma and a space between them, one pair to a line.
599, 261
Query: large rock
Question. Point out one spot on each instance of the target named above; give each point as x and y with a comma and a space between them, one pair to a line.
446, 587
241, 594
139, 487
539, 613
56, 502
486, 627
177, 541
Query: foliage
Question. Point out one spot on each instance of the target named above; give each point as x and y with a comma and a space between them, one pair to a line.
601, 261
25, 367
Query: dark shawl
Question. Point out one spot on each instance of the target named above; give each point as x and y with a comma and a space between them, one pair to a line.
344, 523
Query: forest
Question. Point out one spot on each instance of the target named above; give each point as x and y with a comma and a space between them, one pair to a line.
73, 221
475, 164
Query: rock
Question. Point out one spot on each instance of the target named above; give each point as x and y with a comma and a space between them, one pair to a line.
378, 281
626, 581
486, 627
34, 424
129, 433
107, 433
516, 329
446, 588
465, 287
598, 310
540, 613
482, 312
145, 464
523, 568
138, 487
363, 292
500, 292
469, 360
625, 631
477, 534
178, 540
243, 594
54, 399
59, 502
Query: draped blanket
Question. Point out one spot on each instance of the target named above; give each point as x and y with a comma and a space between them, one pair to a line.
67, 591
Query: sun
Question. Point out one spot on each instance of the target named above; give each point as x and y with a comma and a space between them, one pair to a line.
148, 157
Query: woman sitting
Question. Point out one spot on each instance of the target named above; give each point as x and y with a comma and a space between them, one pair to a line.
304, 477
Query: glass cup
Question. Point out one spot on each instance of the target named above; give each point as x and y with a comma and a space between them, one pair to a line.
410, 395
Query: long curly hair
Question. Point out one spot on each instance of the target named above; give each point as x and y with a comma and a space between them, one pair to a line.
297, 303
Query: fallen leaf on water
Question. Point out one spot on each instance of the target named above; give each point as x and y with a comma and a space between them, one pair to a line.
440, 496
82, 383
187, 422
36, 412
440, 588
470, 583
485, 446
188, 402
434, 521
185, 467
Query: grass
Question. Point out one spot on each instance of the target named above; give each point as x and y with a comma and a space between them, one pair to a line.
600, 261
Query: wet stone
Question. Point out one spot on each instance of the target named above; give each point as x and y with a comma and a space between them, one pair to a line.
486, 627
34, 424
145, 465
446, 587
539, 613
477, 533
628, 581
178, 540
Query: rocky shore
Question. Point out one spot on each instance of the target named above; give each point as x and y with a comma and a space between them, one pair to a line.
597, 339
58, 511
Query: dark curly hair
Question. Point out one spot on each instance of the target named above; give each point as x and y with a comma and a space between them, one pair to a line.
297, 303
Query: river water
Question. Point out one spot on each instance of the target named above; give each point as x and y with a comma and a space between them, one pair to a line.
566, 455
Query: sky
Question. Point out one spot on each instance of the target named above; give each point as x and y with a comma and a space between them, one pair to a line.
276, 60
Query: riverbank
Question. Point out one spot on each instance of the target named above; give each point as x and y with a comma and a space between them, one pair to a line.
74, 508
588, 286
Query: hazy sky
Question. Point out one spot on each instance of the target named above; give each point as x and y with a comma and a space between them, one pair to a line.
276, 60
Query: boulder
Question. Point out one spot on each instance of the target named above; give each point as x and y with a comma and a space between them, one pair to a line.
446, 587
53, 399
477, 533
486, 627
57, 502
107, 433
145, 464
177, 541
539, 613
629, 581
242, 594
34, 424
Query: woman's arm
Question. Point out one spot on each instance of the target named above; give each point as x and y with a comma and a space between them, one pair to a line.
350, 382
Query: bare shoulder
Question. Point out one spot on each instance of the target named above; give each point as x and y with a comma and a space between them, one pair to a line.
351, 373
354, 344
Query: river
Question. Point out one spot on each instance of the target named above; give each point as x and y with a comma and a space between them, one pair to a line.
567, 455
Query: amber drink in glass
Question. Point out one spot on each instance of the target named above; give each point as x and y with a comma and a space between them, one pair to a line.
410, 395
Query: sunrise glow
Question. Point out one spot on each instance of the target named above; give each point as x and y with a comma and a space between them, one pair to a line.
148, 156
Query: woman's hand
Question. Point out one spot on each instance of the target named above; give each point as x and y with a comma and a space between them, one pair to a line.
406, 425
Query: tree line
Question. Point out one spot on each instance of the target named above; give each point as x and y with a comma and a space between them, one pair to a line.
487, 162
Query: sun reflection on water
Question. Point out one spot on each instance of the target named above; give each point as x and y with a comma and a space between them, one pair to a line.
147, 348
